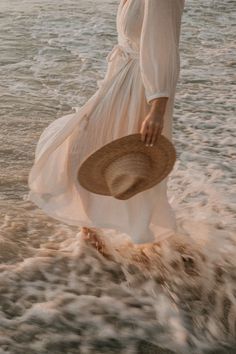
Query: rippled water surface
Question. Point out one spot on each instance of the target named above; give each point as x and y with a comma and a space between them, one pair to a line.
52, 54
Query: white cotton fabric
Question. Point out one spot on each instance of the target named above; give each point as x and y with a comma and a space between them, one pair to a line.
143, 65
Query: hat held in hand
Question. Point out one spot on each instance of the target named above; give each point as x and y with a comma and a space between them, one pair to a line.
126, 166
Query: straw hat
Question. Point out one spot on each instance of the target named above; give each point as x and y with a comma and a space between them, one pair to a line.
126, 166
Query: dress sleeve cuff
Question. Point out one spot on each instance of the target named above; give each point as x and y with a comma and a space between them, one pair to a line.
157, 95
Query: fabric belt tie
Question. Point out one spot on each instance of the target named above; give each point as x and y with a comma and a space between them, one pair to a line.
125, 52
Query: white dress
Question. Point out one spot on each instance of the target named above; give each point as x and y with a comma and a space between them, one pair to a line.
143, 65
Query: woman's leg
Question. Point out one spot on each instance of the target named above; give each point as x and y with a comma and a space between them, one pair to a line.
91, 236
139, 254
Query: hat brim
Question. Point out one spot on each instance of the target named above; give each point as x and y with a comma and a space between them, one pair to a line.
91, 171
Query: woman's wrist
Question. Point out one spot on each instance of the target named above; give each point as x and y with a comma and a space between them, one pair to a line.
158, 105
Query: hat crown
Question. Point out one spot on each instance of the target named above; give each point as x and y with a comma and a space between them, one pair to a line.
125, 166
128, 174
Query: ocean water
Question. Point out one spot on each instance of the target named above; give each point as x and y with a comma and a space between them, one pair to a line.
58, 296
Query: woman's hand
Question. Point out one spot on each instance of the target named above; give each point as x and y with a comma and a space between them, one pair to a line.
152, 125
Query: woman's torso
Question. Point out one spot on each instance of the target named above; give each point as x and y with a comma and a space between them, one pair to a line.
129, 23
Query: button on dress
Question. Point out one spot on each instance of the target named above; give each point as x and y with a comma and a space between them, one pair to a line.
143, 65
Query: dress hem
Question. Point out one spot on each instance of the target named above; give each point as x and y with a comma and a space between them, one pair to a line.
33, 198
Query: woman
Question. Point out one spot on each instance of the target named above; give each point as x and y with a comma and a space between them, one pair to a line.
136, 95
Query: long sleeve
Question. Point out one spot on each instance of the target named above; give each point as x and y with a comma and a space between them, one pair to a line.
159, 47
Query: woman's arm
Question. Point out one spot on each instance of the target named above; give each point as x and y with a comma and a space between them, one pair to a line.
159, 60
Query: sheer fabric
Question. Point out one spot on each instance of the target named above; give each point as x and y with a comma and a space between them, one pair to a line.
142, 65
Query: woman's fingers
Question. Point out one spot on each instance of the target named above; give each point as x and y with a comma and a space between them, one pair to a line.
147, 132
155, 134
159, 130
143, 131
150, 132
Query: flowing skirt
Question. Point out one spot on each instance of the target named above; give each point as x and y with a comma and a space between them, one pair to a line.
115, 110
